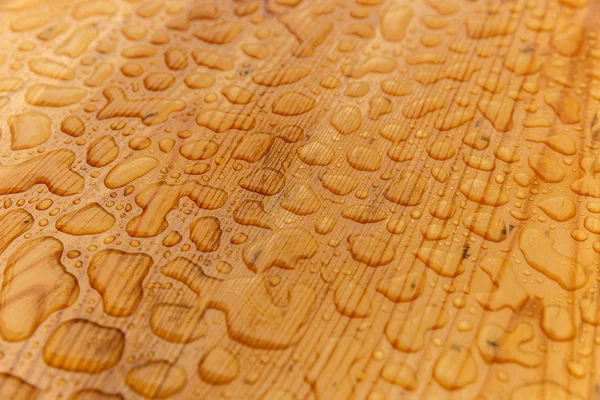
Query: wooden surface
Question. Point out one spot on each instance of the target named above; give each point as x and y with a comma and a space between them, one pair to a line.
290, 199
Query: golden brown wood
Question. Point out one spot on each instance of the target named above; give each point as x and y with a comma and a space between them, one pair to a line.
290, 199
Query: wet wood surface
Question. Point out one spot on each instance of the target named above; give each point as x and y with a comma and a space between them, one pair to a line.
299, 199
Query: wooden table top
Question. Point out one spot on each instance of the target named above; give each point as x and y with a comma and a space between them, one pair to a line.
299, 199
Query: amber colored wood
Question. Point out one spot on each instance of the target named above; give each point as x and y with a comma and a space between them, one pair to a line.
299, 199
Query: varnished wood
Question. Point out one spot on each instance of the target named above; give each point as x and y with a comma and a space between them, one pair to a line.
290, 199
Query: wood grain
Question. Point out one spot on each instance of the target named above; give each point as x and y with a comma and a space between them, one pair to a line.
298, 199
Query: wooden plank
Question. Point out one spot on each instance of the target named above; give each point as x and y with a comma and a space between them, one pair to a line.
289, 199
